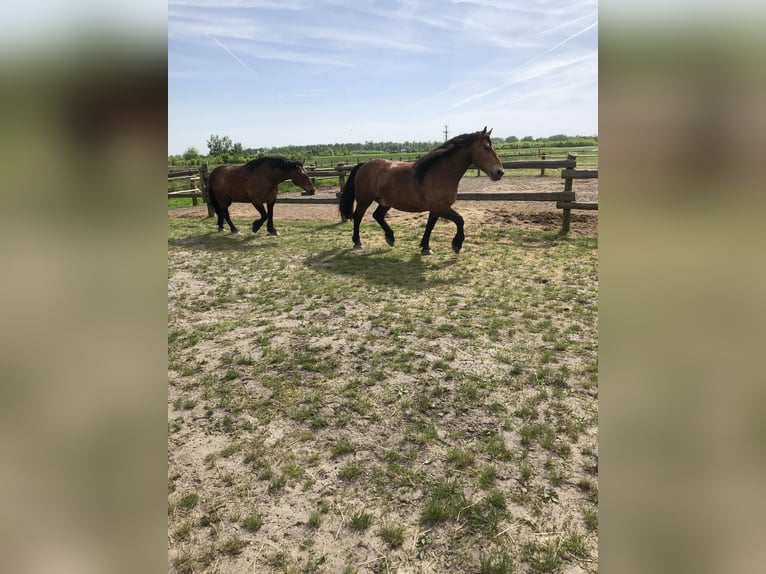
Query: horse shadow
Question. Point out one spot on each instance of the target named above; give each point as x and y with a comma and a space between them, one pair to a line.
220, 241
377, 266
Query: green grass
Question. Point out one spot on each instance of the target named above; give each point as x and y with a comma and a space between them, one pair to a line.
253, 522
502, 564
392, 534
361, 520
444, 394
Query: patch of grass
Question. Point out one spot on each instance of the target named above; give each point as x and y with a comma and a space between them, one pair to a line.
483, 516
210, 460
278, 483
460, 458
575, 545
543, 557
496, 499
184, 404
526, 473
495, 447
590, 517
361, 520
487, 477
590, 488
184, 562
501, 564
392, 534
341, 447
350, 472
314, 520
444, 503
233, 546
188, 501
253, 522
184, 529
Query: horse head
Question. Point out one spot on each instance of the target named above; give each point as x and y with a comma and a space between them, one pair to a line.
484, 157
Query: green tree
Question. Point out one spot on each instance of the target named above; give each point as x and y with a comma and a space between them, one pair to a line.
218, 145
191, 153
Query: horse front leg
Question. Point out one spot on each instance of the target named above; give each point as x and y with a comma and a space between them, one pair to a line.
258, 223
424, 243
270, 218
457, 241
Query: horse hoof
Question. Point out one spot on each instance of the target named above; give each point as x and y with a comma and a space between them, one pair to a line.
456, 247
426, 251
273, 232
390, 241
357, 245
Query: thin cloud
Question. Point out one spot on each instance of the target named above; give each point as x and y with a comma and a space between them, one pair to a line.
537, 57
232, 54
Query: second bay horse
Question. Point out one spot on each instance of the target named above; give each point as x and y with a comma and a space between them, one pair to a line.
254, 182
428, 184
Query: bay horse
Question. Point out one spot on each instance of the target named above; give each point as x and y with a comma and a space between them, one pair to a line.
428, 184
254, 182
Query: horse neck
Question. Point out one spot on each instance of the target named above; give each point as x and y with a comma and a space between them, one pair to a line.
454, 168
276, 176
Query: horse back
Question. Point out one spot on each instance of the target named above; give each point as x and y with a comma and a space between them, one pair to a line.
235, 183
393, 183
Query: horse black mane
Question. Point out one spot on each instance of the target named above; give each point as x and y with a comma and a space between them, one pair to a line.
449, 147
277, 162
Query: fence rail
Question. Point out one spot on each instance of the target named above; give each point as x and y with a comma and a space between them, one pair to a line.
565, 200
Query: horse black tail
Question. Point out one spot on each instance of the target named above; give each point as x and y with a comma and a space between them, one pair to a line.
211, 195
346, 204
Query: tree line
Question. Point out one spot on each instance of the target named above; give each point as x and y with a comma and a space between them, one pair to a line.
221, 149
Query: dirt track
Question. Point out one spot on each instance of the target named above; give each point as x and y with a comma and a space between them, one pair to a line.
533, 215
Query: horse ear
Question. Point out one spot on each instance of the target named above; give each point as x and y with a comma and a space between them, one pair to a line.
484, 131
489, 133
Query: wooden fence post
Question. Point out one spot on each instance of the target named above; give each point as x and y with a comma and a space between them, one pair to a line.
341, 175
568, 187
203, 179
542, 169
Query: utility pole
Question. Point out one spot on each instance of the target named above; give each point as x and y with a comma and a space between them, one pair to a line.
445, 132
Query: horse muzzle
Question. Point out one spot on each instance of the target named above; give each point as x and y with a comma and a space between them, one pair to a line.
496, 174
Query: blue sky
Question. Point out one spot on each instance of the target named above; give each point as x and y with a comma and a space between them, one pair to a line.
278, 72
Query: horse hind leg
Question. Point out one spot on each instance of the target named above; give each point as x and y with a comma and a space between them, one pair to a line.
425, 248
225, 215
380, 216
270, 219
361, 208
258, 223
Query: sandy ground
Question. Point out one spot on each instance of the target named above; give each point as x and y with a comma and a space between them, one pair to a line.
228, 487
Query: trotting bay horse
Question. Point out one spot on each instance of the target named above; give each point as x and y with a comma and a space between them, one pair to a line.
254, 182
429, 184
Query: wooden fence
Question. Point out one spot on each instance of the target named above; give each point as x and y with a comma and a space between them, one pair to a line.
565, 200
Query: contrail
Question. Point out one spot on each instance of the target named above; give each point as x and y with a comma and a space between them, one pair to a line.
540, 55
232, 54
